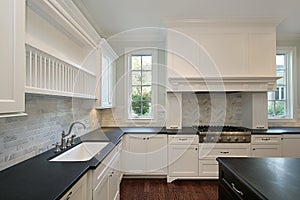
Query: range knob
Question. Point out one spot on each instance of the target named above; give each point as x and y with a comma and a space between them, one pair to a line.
212, 139
204, 138
228, 138
236, 139
244, 139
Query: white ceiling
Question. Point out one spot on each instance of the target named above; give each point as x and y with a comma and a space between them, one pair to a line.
110, 17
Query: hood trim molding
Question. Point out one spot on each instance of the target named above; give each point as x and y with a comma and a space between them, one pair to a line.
223, 84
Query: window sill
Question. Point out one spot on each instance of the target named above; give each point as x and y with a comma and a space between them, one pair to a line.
140, 119
282, 120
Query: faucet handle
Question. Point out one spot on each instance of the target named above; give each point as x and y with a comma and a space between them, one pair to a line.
56, 149
63, 135
68, 142
73, 139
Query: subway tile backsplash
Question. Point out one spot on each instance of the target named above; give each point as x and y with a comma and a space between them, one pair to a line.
27, 136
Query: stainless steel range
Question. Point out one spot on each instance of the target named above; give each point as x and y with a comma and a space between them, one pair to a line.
224, 134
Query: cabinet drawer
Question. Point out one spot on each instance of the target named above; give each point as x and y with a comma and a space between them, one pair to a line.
224, 150
236, 188
183, 139
266, 139
208, 168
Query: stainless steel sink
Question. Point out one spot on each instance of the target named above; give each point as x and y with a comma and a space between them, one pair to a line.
82, 152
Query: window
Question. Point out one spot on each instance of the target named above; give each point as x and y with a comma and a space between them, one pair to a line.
280, 102
140, 85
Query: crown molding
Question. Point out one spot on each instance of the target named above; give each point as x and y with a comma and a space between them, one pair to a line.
287, 37
225, 21
82, 7
146, 34
66, 17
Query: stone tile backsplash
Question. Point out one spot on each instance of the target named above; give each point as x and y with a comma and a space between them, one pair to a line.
27, 136
211, 108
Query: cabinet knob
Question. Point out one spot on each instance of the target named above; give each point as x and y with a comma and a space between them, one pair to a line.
147, 138
144, 138
253, 149
196, 149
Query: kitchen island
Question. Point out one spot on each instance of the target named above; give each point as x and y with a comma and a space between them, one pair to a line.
259, 178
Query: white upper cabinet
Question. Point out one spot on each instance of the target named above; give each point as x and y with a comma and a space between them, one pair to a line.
108, 75
12, 56
255, 110
62, 50
174, 111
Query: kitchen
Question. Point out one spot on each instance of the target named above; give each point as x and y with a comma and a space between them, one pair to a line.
75, 71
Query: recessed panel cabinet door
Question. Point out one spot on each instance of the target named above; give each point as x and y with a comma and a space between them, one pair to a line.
12, 56
135, 153
183, 160
101, 192
157, 149
290, 145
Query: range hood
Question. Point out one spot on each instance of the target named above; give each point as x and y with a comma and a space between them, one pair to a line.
222, 55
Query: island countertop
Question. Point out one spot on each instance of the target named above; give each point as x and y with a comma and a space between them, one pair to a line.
271, 178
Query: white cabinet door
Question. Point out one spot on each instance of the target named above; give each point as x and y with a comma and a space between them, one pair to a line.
108, 76
157, 154
113, 179
145, 154
266, 151
101, 192
134, 153
290, 146
255, 110
12, 56
208, 168
78, 191
183, 160
105, 79
174, 111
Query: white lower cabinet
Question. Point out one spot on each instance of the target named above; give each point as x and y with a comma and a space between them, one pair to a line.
78, 191
208, 152
208, 168
101, 191
290, 145
145, 154
107, 177
266, 146
182, 156
266, 151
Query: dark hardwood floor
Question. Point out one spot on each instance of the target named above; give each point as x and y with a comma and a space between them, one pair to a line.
159, 189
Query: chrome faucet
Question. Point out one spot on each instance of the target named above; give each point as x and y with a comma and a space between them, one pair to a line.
68, 142
71, 126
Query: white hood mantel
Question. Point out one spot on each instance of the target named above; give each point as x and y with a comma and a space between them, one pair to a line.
222, 55
220, 84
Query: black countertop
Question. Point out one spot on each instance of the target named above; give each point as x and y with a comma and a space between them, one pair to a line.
273, 178
278, 130
37, 178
